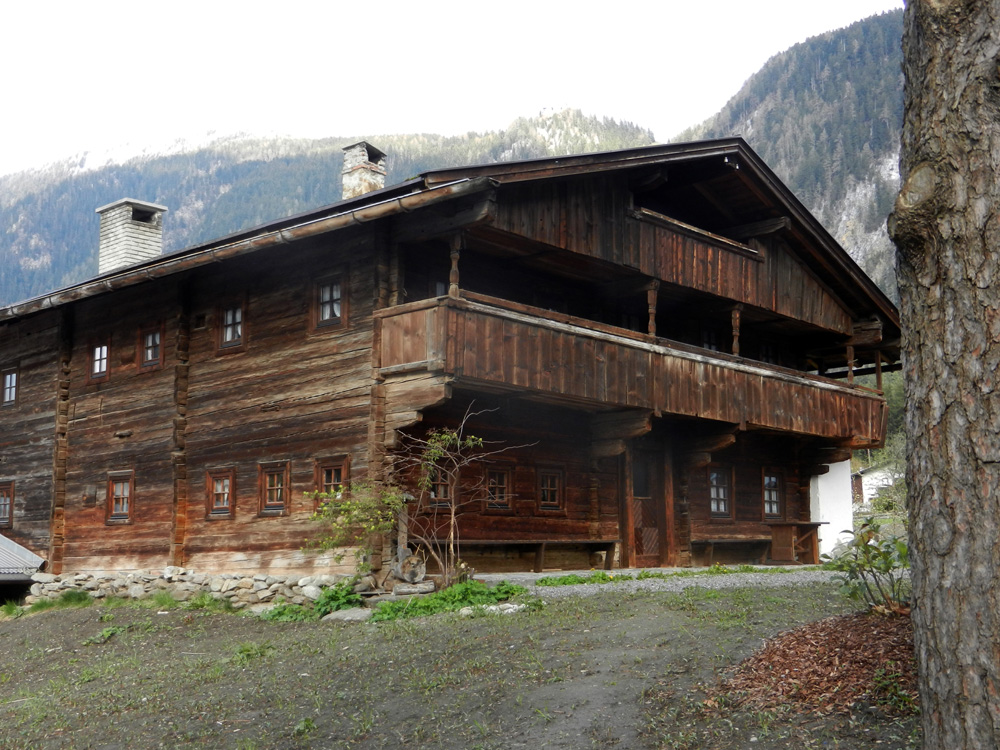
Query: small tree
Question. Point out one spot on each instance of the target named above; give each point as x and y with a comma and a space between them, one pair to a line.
355, 517
444, 462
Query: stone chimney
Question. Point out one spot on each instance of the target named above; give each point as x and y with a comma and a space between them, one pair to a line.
364, 170
131, 232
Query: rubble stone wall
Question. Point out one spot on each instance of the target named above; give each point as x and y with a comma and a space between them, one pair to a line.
184, 584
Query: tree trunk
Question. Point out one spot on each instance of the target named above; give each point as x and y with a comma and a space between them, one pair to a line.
947, 231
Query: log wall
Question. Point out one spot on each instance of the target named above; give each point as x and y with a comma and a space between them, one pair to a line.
27, 439
293, 395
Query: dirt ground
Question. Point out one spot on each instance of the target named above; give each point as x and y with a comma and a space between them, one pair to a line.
617, 670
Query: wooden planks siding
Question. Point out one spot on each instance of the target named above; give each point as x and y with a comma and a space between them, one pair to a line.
593, 217
494, 345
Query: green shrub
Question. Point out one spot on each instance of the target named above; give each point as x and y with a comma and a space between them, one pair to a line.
285, 612
873, 567
451, 599
334, 598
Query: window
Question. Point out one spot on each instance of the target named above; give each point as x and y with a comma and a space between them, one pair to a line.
331, 476
274, 489
9, 387
439, 494
220, 491
550, 490
772, 492
6, 504
720, 491
98, 369
231, 333
151, 346
498, 489
121, 497
329, 302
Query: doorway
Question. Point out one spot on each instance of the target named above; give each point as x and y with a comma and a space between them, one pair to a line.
648, 505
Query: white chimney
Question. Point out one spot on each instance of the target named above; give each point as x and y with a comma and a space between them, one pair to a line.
131, 232
364, 170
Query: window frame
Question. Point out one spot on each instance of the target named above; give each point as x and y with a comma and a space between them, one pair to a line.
238, 344
489, 504
127, 479
433, 499
13, 390
212, 512
92, 348
145, 364
778, 474
6, 502
341, 463
319, 323
281, 469
559, 475
730, 501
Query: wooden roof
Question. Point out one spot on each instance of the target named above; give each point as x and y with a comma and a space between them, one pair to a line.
719, 184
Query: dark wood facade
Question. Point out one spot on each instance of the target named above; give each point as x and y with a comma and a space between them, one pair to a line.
667, 334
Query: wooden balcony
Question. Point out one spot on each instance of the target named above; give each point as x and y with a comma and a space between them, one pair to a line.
498, 345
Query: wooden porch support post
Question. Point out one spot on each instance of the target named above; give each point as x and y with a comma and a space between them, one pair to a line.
456, 248
850, 364
878, 371
651, 295
737, 312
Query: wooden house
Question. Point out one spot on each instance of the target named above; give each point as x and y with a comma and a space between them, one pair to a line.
668, 334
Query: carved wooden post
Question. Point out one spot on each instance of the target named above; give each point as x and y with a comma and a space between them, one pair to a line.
456, 247
651, 305
737, 310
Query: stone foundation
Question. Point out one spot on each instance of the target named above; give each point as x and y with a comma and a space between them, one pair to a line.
184, 584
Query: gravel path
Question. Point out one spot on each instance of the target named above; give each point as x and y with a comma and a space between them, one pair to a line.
787, 577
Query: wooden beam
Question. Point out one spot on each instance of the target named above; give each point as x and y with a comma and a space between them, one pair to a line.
758, 228
866, 333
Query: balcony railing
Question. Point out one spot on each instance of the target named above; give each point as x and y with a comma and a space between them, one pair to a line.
498, 344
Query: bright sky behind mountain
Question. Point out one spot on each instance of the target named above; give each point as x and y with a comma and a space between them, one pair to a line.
118, 78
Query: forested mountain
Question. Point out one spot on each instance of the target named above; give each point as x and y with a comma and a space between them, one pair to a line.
48, 228
825, 115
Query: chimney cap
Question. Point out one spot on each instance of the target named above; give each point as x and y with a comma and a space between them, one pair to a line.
145, 205
374, 154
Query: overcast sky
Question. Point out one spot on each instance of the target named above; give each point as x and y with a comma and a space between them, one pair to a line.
119, 77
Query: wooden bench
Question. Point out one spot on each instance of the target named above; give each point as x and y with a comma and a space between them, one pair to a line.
540, 545
709, 544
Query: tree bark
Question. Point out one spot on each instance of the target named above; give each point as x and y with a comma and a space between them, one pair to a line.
947, 232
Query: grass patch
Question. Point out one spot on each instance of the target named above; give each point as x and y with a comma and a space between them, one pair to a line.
205, 601
250, 652
285, 612
599, 576
11, 610
451, 599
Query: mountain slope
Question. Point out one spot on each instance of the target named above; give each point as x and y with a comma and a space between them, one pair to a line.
48, 228
826, 115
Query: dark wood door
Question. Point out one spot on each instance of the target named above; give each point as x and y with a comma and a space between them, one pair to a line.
647, 537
